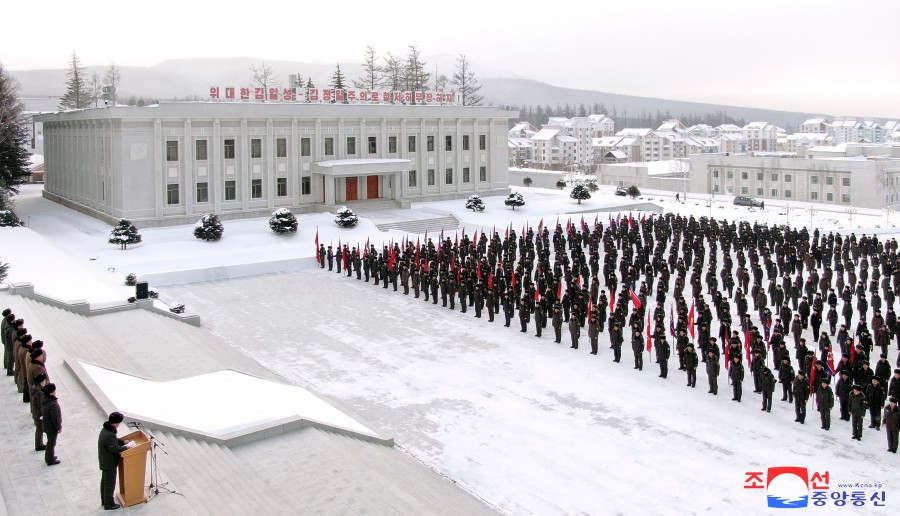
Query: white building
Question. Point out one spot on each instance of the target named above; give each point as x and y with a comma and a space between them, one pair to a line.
760, 136
814, 125
167, 164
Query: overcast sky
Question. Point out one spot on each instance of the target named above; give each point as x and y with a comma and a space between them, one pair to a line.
825, 56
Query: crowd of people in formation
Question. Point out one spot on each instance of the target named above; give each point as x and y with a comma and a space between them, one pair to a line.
766, 305
25, 359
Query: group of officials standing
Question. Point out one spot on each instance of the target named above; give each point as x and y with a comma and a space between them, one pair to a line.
25, 360
751, 291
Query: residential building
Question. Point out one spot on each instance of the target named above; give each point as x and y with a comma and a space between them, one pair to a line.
760, 136
814, 125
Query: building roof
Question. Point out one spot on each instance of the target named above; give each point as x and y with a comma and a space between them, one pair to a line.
545, 134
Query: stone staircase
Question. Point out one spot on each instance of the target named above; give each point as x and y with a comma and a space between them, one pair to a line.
433, 225
372, 205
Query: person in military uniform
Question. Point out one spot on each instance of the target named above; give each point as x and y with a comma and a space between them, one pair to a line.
404, 278
892, 423
691, 361
825, 402
557, 321
756, 368
594, 330
712, 366
786, 379
844, 390
330, 255
737, 377
616, 338
637, 346
858, 405
875, 396
538, 319
663, 351
801, 396
524, 315
767, 381
574, 329
51, 417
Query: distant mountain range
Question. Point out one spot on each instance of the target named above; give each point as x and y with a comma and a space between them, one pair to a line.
181, 78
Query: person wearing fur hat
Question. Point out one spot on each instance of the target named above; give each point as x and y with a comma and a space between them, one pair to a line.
892, 423
51, 416
5, 325
768, 388
894, 387
35, 366
801, 395
22, 351
858, 405
875, 396
9, 341
108, 449
825, 402
37, 396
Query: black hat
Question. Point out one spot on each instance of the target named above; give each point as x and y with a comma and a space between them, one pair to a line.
19, 322
801, 372
785, 358
892, 399
845, 373
897, 371
857, 388
35, 353
6, 312
37, 344
116, 417
884, 355
826, 380
49, 389
40, 377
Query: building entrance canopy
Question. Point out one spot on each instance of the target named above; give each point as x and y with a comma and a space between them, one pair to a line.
360, 167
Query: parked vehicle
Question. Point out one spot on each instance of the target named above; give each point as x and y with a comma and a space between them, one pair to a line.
743, 200
621, 191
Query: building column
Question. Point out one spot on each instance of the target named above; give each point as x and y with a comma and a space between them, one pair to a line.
159, 172
189, 171
329, 183
216, 172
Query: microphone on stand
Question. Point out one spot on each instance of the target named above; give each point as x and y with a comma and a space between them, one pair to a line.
133, 424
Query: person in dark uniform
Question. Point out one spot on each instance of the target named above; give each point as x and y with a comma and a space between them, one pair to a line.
875, 397
594, 330
801, 396
712, 371
637, 346
524, 314
330, 256
786, 378
557, 321
108, 449
737, 377
691, 361
844, 390
756, 368
892, 423
768, 387
37, 396
858, 405
663, 351
825, 402
574, 330
51, 416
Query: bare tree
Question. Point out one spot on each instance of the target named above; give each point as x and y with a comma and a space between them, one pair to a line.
467, 85
372, 73
96, 87
394, 72
264, 77
111, 79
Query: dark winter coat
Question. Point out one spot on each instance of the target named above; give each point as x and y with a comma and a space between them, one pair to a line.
825, 399
663, 351
737, 372
51, 415
691, 360
37, 395
858, 404
892, 418
875, 395
637, 343
712, 366
768, 381
801, 390
785, 373
109, 447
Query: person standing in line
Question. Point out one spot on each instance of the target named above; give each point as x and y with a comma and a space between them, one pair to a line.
801, 396
768, 388
892, 423
663, 352
51, 416
690, 364
637, 346
108, 449
825, 402
858, 405
737, 377
37, 396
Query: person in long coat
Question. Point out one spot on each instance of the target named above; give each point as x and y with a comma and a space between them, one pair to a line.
109, 446
51, 416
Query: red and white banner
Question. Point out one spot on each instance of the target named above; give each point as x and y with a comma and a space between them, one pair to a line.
328, 96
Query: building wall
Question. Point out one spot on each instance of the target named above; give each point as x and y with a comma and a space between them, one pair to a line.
113, 162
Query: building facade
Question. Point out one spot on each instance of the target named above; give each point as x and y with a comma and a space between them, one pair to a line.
167, 164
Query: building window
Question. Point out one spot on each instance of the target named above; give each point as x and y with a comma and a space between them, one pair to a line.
466, 177
482, 142
392, 145
759, 191
229, 149
465, 142
774, 177
430, 177
814, 180
329, 146
305, 186
448, 143
429, 142
829, 180
744, 175
774, 192
281, 148
448, 176
256, 189
230, 191
373, 145
744, 190
412, 178
255, 147
412, 144
730, 174
201, 152
814, 196
715, 173
281, 187
351, 145
845, 198
845, 181
305, 147
787, 194
482, 174
715, 188
172, 194
202, 192
829, 197
788, 178
172, 151
759, 176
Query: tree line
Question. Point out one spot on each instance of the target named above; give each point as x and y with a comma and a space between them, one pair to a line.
84, 92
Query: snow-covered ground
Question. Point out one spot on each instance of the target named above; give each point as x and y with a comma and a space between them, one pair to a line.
531, 426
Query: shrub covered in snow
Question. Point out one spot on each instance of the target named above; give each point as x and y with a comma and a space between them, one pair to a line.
527, 181
130, 280
176, 308
124, 233
345, 217
4, 271
560, 183
283, 221
9, 219
592, 186
209, 227
515, 199
580, 193
474, 203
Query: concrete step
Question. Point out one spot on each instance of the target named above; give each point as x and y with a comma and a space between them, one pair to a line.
421, 226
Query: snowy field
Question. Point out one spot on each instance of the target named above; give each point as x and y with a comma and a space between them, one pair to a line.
531, 426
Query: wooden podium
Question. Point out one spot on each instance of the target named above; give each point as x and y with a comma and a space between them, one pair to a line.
133, 470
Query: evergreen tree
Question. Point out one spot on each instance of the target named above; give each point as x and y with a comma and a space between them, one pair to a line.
514, 200
209, 227
466, 83
582, 110
560, 183
345, 217
580, 193
4, 271
416, 78
338, 79
474, 203
372, 73
124, 233
13, 140
78, 92
8, 219
309, 83
633, 191
283, 221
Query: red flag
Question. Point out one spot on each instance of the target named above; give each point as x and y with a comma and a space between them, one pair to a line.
537, 296
691, 321
612, 302
478, 272
671, 323
747, 344
727, 358
853, 353
830, 362
568, 225
514, 280
812, 377
630, 220
649, 340
582, 223
559, 290
391, 261
635, 300
491, 280
317, 241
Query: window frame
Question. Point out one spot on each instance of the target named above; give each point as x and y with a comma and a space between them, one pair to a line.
281, 147
171, 151
230, 189
281, 189
351, 146
256, 189
228, 149
173, 188
373, 144
202, 192
204, 145
255, 148
305, 147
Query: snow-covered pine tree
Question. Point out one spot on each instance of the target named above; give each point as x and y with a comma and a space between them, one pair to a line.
124, 233
78, 94
4, 271
514, 200
283, 221
475, 203
580, 193
209, 227
592, 186
9, 219
560, 183
13, 140
345, 218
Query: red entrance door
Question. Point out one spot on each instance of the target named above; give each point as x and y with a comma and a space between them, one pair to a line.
351, 189
372, 187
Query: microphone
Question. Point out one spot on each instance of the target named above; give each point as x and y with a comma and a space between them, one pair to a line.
133, 424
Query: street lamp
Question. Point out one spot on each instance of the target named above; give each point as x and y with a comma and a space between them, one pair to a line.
851, 211
787, 213
709, 203
812, 210
887, 216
